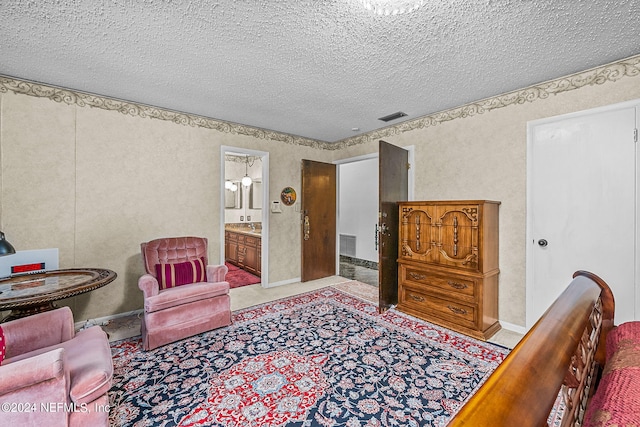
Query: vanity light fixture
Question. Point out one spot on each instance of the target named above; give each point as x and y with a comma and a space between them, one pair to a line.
246, 180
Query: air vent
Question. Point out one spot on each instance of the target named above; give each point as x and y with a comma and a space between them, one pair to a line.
347, 245
393, 116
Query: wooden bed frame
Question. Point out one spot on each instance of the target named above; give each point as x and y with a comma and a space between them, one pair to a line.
565, 350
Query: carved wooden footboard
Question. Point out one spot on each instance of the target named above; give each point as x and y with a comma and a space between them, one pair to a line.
563, 350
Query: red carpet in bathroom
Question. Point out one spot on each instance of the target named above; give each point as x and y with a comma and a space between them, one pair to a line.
238, 277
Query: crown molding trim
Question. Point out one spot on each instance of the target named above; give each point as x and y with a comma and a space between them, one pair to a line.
629, 67
83, 99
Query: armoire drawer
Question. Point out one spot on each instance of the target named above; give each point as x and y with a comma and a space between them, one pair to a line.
429, 306
459, 286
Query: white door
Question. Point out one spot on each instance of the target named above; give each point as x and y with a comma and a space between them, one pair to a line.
582, 206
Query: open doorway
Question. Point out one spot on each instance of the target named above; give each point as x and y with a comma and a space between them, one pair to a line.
358, 219
358, 211
244, 225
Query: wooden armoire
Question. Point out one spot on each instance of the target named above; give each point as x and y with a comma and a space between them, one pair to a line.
448, 264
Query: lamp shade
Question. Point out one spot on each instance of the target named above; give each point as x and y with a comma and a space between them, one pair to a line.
246, 181
5, 247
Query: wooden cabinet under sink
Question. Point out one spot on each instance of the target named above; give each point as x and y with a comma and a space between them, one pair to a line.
244, 250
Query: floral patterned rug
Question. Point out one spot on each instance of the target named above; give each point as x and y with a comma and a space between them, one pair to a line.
325, 358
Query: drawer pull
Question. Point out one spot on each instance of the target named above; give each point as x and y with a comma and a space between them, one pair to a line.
416, 298
416, 276
457, 285
457, 310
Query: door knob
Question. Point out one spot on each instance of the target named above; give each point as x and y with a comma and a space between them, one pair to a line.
543, 242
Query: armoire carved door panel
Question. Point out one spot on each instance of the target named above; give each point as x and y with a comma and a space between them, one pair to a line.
457, 236
417, 234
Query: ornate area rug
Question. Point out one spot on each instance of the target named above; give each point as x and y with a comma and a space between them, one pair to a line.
324, 358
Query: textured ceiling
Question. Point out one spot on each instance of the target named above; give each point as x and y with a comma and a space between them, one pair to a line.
312, 68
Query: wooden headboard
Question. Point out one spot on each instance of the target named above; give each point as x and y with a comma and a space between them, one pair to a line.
564, 349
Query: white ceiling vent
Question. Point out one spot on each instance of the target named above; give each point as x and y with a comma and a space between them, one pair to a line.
393, 116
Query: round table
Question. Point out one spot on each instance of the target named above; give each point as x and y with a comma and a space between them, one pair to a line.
35, 293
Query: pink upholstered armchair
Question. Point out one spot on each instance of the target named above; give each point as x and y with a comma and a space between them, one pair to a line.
183, 296
52, 376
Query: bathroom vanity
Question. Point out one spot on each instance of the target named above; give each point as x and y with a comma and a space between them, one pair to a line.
243, 248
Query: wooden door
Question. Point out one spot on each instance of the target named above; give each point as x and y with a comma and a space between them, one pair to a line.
318, 220
393, 188
582, 199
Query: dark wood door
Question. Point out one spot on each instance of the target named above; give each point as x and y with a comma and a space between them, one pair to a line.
318, 220
393, 188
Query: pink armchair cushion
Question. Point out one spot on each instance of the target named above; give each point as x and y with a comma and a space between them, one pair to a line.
182, 273
3, 346
184, 295
171, 250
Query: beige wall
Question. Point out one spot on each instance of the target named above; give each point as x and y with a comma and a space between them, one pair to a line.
96, 183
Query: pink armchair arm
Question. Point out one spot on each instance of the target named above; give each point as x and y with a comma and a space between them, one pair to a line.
33, 371
28, 387
216, 273
38, 331
148, 285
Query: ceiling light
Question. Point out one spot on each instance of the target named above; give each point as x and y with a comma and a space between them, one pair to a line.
392, 7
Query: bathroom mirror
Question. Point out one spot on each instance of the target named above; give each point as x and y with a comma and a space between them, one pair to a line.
255, 195
233, 199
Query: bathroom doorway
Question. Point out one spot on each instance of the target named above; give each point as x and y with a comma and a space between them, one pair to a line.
244, 228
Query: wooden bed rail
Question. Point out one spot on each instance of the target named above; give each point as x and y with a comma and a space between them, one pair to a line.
565, 346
